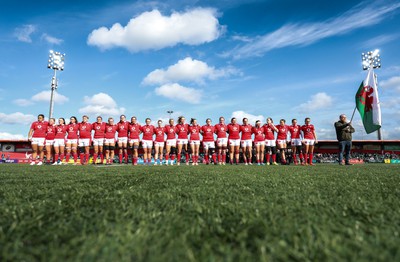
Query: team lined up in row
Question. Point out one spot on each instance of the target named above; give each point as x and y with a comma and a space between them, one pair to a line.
66, 139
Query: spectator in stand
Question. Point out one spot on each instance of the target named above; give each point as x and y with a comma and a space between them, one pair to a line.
344, 132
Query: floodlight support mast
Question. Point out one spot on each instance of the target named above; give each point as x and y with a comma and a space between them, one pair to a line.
53, 88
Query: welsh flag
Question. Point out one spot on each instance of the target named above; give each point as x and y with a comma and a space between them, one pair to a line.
367, 103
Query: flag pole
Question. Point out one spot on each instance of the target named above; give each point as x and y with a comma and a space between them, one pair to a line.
353, 114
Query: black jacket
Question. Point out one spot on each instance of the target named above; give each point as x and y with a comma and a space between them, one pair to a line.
343, 131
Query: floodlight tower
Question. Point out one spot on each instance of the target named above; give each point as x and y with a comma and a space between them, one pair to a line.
55, 62
170, 112
372, 60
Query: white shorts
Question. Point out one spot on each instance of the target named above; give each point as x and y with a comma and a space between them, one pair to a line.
171, 142
59, 142
209, 144
259, 143
222, 141
109, 140
84, 142
72, 141
309, 142
98, 141
134, 141
182, 141
281, 142
195, 142
147, 143
234, 142
49, 142
246, 143
38, 141
270, 142
295, 142
158, 144
122, 140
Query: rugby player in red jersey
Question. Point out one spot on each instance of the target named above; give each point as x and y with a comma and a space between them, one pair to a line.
246, 142
259, 142
72, 140
233, 129
182, 131
85, 140
50, 135
159, 143
309, 139
109, 140
99, 128
59, 141
208, 131
37, 135
194, 131
134, 140
222, 140
147, 141
270, 143
170, 130
295, 141
281, 139
122, 129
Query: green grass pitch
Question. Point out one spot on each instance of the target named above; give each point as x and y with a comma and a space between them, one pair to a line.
200, 213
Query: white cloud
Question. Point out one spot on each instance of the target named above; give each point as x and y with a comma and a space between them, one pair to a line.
188, 69
317, 101
101, 104
360, 16
44, 96
379, 41
17, 118
239, 115
23, 102
24, 32
8, 136
154, 31
391, 83
178, 92
51, 39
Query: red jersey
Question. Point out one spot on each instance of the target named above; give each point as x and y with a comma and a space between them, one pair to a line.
308, 131
220, 130
258, 134
73, 131
246, 131
233, 131
99, 130
110, 131
148, 132
134, 131
282, 132
194, 132
208, 133
61, 130
85, 130
269, 132
182, 131
159, 134
170, 131
39, 129
51, 132
122, 128
294, 131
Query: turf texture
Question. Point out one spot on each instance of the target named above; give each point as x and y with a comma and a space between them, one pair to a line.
200, 213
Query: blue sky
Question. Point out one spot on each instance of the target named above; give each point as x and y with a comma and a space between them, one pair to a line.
283, 59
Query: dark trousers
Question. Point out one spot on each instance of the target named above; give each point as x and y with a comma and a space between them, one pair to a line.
344, 148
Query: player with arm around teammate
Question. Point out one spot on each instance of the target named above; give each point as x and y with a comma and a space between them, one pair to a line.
122, 129
259, 142
72, 140
309, 140
109, 140
270, 142
59, 141
233, 140
99, 128
246, 131
159, 143
37, 136
295, 141
208, 131
50, 136
147, 141
281, 139
85, 140
134, 139
222, 140
170, 145
194, 131
182, 143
